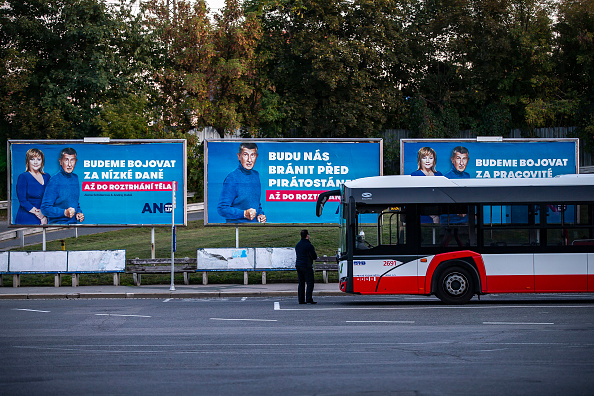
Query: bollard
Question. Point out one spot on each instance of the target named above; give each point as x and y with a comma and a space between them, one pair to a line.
63, 244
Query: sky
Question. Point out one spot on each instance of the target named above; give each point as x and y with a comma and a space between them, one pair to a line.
215, 5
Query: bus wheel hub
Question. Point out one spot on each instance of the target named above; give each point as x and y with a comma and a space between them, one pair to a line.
456, 284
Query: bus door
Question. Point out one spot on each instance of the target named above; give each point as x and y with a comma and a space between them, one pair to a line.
384, 259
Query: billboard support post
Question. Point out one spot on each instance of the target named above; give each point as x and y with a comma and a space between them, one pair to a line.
44, 240
172, 288
236, 237
152, 242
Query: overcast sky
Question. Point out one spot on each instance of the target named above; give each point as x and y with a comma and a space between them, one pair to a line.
215, 5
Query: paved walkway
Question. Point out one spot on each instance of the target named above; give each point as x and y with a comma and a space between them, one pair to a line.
162, 291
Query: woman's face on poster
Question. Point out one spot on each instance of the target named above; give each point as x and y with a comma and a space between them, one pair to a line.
35, 163
427, 161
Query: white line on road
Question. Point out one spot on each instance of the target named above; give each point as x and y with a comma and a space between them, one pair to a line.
516, 323
125, 316
243, 298
247, 320
381, 321
409, 308
29, 310
166, 300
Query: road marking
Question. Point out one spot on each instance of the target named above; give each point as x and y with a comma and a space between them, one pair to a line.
277, 307
29, 310
243, 298
517, 323
247, 320
381, 321
166, 300
125, 316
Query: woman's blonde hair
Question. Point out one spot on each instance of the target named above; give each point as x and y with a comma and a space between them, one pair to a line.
34, 153
423, 152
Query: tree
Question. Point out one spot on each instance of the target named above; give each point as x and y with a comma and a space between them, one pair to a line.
183, 56
61, 61
234, 90
335, 65
575, 63
206, 74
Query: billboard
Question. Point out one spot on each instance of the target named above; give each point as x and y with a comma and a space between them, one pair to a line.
264, 181
92, 183
489, 158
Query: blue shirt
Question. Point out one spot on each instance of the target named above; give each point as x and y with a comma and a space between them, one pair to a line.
454, 174
241, 191
29, 192
419, 172
62, 192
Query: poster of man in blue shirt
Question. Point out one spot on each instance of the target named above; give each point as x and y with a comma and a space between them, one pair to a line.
61, 198
459, 158
239, 201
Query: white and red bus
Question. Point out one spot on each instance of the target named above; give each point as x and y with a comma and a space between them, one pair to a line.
465, 237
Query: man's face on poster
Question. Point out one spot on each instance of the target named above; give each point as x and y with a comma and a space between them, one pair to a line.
247, 158
460, 161
68, 162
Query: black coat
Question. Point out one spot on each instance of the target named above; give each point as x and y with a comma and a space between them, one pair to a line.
306, 254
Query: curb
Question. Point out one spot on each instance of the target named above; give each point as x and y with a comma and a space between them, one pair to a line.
168, 294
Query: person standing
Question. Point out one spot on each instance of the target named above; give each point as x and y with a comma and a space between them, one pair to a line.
30, 188
61, 198
240, 197
306, 254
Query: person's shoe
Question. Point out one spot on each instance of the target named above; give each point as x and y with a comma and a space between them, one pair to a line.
312, 302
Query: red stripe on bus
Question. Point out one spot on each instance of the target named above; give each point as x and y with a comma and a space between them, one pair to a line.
561, 283
510, 284
387, 285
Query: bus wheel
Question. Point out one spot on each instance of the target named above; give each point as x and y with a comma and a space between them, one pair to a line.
454, 286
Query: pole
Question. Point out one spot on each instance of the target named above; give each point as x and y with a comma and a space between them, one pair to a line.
172, 288
236, 237
153, 242
44, 239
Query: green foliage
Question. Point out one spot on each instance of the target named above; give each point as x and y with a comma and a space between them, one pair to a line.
293, 68
334, 64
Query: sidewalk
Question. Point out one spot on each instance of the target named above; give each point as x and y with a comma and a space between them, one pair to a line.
162, 291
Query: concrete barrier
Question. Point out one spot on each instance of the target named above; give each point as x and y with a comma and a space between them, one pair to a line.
63, 262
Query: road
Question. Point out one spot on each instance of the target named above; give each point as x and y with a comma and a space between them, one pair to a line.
350, 345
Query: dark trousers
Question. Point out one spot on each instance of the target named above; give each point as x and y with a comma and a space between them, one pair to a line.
305, 275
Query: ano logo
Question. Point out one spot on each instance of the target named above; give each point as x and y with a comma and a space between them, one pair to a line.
359, 262
155, 207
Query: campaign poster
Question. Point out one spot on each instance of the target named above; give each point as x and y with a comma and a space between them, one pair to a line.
112, 183
262, 181
490, 158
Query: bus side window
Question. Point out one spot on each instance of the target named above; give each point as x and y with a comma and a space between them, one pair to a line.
452, 226
393, 228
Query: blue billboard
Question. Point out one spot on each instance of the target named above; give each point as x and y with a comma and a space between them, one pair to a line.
263, 181
78, 183
489, 158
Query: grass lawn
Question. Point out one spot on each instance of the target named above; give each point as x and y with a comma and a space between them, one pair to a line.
137, 243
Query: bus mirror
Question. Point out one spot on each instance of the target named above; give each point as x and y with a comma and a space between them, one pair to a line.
323, 198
